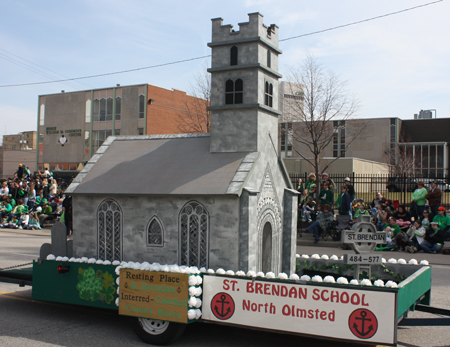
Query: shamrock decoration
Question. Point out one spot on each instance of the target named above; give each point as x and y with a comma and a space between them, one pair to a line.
96, 285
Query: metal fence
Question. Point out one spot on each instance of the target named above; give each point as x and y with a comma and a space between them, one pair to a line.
396, 188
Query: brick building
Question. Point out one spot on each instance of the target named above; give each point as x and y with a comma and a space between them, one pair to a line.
72, 126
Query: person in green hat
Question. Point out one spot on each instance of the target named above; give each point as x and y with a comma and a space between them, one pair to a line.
12, 201
46, 211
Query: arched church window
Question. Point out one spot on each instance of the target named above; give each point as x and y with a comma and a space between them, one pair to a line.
233, 56
155, 232
109, 219
234, 92
194, 235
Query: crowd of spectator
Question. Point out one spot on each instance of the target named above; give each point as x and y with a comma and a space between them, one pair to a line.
421, 226
29, 200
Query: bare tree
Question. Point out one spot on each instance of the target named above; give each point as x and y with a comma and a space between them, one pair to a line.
400, 157
196, 118
320, 114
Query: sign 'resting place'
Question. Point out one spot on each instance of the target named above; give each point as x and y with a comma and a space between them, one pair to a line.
155, 295
331, 311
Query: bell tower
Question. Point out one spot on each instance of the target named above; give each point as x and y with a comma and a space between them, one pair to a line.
244, 85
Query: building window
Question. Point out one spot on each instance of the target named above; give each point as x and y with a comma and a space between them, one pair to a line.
96, 114
88, 111
338, 139
194, 235
109, 109
140, 131
109, 219
42, 115
234, 92
141, 106
155, 233
268, 100
102, 109
233, 56
286, 139
118, 107
269, 59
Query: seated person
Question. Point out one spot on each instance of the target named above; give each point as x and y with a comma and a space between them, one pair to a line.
381, 217
45, 212
416, 233
376, 202
392, 230
23, 221
434, 239
6, 208
427, 218
403, 218
33, 223
443, 221
308, 209
12, 223
302, 199
360, 210
323, 220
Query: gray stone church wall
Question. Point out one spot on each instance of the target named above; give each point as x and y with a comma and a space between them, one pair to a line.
136, 214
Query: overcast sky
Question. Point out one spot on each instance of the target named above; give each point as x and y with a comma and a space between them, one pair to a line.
395, 66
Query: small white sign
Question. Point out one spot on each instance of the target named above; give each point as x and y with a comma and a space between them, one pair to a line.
333, 311
362, 259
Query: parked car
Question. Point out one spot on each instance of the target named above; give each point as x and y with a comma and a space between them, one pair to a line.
397, 184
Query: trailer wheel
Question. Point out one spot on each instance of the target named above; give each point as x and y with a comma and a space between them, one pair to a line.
157, 332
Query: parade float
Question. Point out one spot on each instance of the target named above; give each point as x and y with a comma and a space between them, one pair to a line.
221, 210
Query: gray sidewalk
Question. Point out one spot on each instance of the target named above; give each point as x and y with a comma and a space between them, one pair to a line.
42, 232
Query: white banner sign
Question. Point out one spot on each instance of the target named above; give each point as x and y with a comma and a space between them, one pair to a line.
329, 311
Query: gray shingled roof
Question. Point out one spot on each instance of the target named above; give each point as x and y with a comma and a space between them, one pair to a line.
163, 164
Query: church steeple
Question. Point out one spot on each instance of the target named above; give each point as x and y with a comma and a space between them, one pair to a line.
244, 85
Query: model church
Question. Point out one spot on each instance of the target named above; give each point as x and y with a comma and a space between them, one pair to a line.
218, 200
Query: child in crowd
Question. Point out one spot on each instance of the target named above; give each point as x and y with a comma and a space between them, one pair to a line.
361, 210
23, 221
392, 230
302, 202
309, 209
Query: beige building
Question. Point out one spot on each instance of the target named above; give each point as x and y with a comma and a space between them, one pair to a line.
25, 140
425, 140
342, 166
12, 159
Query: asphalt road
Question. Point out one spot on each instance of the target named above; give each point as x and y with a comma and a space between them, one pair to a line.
26, 323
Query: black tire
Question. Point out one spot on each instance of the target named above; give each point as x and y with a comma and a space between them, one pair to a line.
157, 332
